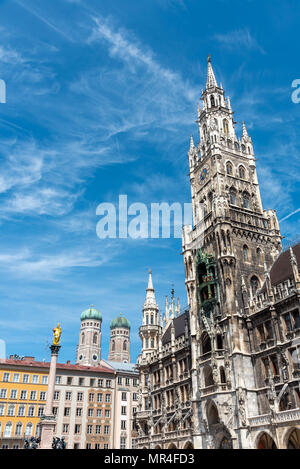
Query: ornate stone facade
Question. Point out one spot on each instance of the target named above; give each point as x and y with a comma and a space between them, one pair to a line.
243, 295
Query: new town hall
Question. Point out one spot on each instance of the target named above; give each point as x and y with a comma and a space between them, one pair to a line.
225, 373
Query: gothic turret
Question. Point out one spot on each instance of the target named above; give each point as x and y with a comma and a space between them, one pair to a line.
149, 330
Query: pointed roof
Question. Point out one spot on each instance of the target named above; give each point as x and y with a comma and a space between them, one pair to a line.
150, 295
211, 79
192, 144
245, 131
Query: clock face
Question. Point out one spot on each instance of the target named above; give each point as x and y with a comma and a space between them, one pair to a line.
203, 174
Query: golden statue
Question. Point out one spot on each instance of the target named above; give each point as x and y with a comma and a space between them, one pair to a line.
56, 334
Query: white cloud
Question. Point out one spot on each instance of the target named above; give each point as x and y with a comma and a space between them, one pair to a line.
238, 39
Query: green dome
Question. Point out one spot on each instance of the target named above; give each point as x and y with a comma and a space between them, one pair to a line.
120, 321
91, 313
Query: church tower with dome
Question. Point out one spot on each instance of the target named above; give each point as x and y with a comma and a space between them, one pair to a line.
89, 345
119, 345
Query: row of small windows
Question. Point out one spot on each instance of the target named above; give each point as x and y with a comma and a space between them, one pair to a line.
56, 396
11, 410
95, 338
32, 395
83, 381
8, 429
245, 198
16, 378
113, 345
241, 170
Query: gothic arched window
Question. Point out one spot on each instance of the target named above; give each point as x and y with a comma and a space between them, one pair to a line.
95, 338
82, 338
232, 196
212, 101
254, 284
242, 172
229, 168
258, 253
125, 345
225, 126
246, 200
113, 345
222, 375
245, 253
243, 148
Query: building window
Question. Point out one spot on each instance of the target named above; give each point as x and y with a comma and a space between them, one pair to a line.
99, 412
21, 411
135, 382
124, 396
5, 377
18, 430
106, 429
30, 411
16, 377
23, 395
77, 428
122, 443
56, 395
65, 428
81, 381
127, 381
25, 378
7, 430
3, 393
134, 396
40, 411
66, 411
79, 396
108, 383
35, 379
68, 396
44, 379
42, 396
229, 168
69, 380
98, 429
245, 253
123, 410
28, 429
54, 410
100, 383
11, 410
232, 196
90, 429
91, 397
225, 126
78, 411
58, 379
99, 397
90, 412
246, 200
242, 172
107, 397
123, 424
33, 395
125, 345
113, 345
107, 413
95, 338
119, 380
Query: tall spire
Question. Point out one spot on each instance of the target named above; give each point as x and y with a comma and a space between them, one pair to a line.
245, 131
211, 79
150, 295
192, 144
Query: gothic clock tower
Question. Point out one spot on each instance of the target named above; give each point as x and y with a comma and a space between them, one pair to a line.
227, 254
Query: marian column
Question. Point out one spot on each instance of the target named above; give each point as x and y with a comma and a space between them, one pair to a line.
47, 422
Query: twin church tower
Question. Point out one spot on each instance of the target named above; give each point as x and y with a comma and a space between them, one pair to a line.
89, 345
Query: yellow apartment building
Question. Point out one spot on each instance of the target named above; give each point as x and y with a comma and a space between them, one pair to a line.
23, 387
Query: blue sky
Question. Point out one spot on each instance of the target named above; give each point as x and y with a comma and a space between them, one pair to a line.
101, 101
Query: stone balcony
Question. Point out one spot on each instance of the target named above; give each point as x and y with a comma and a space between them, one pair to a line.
291, 415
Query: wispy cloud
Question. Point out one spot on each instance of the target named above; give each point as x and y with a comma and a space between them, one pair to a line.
240, 39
